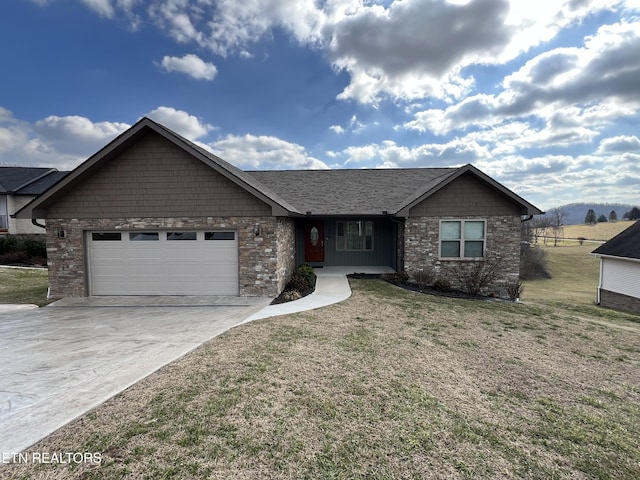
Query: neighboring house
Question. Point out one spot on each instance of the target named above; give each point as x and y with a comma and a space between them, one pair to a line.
620, 270
154, 214
18, 186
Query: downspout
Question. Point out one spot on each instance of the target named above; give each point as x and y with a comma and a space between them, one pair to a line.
35, 222
599, 283
523, 220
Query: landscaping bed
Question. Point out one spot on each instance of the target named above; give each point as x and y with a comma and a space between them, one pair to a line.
301, 284
28, 250
400, 280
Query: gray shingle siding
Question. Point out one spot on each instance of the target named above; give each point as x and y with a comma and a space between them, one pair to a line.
155, 178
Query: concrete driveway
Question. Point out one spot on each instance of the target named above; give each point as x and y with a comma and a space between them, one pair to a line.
58, 362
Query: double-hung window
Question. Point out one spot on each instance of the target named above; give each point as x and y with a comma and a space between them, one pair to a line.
355, 235
462, 238
4, 214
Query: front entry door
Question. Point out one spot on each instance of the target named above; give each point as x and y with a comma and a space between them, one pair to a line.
314, 242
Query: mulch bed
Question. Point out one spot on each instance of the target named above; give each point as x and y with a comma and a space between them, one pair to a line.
426, 290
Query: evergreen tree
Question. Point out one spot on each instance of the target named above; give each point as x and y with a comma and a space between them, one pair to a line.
602, 218
633, 214
613, 216
590, 218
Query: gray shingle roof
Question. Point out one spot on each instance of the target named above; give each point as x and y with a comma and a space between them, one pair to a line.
626, 244
28, 180
351, 192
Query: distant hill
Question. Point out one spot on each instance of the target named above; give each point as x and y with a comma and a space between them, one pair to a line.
577, 211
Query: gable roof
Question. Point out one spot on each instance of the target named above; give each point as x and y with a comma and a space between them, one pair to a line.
526, 208
295, 192
279, 205
28, 180
626, 244
370, 191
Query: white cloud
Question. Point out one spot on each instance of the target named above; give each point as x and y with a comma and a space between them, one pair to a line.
181, 122
390, 155
75, 134
60, 142
619, 144
191, 65
575, 92
103, 7
264, 153
353, 125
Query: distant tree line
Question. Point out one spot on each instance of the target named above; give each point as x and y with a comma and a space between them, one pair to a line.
591, 218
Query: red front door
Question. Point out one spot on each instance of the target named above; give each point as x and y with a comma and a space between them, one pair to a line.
314, 242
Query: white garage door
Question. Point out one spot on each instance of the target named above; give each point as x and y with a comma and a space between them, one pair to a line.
163, 263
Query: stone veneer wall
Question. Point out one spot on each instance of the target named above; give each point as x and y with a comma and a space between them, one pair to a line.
265, 261
619, 301
502, 244
286, 251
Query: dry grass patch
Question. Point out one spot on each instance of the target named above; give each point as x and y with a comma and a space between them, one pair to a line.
389, 384
600, 231
574, 276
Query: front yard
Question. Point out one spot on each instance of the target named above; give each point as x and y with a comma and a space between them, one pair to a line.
23, 285
389, 384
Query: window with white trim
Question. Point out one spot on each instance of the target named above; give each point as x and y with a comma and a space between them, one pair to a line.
4, 214
354, 235
462, 238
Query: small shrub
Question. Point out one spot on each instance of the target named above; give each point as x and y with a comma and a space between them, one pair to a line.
298, 282
307, 272
423, 278
36, 247
515, 289
8, 244
480, 275
442, 285
302, 279
533, 262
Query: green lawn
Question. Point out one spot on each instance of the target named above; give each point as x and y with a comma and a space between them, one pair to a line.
18, 285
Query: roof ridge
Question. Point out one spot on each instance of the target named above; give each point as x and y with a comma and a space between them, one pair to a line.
33, 180
395, 169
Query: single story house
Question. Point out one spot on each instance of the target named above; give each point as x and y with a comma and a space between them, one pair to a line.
619, 285
18, 186
152, 213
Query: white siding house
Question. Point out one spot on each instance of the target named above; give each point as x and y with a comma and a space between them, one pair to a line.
620, 270
18, 186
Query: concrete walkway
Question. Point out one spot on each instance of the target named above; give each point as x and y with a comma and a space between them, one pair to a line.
332, 287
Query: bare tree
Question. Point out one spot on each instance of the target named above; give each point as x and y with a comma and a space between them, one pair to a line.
557, 217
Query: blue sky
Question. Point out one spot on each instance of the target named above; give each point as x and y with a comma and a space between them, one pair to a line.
544, 96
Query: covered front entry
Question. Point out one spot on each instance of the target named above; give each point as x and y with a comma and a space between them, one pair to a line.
314, 242
163, 263
336, 241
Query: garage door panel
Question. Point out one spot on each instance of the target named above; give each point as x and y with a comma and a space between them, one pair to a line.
163, 266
